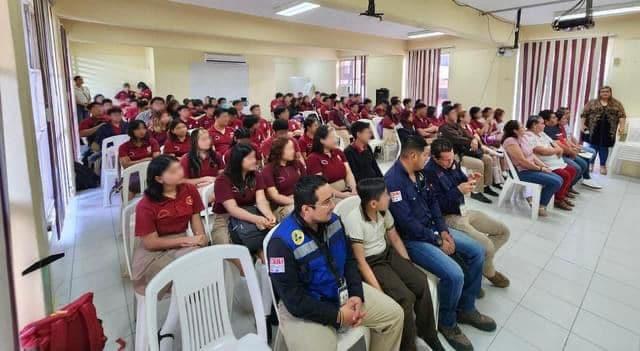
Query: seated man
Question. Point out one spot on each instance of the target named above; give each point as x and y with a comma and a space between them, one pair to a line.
451, 255
388, 268
450, 185
359, 154
313, 271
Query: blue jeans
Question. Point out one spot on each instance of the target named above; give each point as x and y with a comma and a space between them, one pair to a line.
550, 182
602, 151
587, 148
581, 166
457, 290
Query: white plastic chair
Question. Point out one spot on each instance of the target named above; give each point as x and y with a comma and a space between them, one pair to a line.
399, 144
205, 195
344, 208
198, 285
346, 340
306, 114
141, 169
127, 222
628, 150
377, 139
109, 164
513, 184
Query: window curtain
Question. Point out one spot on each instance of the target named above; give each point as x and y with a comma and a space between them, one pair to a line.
360, 76
560, 73
423, 75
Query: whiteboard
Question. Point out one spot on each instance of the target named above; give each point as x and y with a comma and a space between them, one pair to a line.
219, 79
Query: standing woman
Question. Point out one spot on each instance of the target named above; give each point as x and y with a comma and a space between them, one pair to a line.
281, 174
239, 193
139, 148
143, 91
201, 164
327, 160
160, 127
601, 119
178, 143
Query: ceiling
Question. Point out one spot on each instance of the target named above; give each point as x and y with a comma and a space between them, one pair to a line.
322, 16
536, 15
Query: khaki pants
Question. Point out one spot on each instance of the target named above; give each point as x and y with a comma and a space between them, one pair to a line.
389, 136
282, 211
384, 318
220, 234
483, 166
490, 233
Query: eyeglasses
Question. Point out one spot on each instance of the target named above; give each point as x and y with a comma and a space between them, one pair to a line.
326, 203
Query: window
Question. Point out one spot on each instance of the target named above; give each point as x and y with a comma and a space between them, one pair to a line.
443, 78
352, 75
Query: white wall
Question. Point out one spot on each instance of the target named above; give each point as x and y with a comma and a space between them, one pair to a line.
384, 72
322, 73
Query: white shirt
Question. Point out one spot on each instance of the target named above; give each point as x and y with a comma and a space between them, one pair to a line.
82, 95
552, 161
371, 234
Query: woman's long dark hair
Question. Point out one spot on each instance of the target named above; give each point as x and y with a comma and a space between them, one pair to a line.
195, 163
133, 125
157, 166
142, 86
321, 133
172, 126
510, 130
233, 170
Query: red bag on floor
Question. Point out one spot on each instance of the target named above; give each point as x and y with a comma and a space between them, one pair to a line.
75, 327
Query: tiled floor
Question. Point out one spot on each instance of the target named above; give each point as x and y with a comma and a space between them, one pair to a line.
575, 277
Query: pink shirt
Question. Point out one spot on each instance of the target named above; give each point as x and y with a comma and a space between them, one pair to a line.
525, 146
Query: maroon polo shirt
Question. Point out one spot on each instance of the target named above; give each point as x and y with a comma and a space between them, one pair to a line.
135, 153
332, 167
208, 167
265, 148
169, 216
225, 190
177, 147
294, 125
305, 144
160, 137
283, 178
221, 140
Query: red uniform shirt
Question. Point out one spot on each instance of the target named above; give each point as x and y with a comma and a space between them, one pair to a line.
283, 178
364, 113
325, 112
275, 104
235, 123
146, 94
191, 123
169, 216
306, 106
331, 167
90, 122
475, 125
207, 168
206, 122
221, 140
160, 137
388, 123
176, 147
225, 190
294, 125
352, 117
130, 113
336, 117
420, 123
265, 148
135, 153
305, 144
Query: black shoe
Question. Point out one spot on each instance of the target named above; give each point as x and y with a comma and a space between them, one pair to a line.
481, 198
477, 320
499, 186
456, 338
435, 344
489, 191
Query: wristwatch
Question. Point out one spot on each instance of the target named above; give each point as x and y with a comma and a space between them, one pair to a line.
438, 241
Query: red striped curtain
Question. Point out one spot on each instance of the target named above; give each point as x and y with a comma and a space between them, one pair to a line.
423, 75
560, 73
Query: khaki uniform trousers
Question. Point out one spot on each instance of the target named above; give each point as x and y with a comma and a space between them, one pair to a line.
483, 166
490, 233
384, 318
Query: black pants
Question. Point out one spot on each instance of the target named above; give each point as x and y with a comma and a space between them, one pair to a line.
409, 287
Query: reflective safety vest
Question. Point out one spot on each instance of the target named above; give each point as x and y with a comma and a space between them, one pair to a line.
320, 282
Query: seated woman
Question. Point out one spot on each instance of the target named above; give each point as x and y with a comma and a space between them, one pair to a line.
551, 154
239, 193
139, 148
327, 160
159, 129
529, 167
162, 217
242, 136
178, 142
388, 267
281, 174
201, 164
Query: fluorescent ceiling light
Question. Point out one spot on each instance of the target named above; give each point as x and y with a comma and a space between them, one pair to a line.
424, 34
609, 12
297, 9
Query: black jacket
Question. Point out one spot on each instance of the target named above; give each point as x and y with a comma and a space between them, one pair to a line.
362, 162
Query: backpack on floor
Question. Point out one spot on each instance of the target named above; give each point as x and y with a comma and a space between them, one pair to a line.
85, 177
74, 327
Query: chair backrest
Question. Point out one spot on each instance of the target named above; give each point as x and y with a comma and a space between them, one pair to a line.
399, 143
205, 195
512, 168
374, 129
265, 244
127, 223
141, 169
633, 131
109, 151
198, 286
306, 114
344, 207
377, 121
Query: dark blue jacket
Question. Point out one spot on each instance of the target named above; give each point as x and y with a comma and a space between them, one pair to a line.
107, 132
414, 207
444, 183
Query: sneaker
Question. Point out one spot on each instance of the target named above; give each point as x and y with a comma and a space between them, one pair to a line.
456, 338
499, 280
480, 197
489, 191
590, 183
477, 320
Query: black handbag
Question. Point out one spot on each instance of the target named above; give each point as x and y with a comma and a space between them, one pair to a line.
247, 233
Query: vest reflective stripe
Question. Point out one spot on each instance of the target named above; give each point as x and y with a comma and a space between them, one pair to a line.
305, 249
333, 228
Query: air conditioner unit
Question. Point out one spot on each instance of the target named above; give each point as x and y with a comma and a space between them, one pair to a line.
218, 58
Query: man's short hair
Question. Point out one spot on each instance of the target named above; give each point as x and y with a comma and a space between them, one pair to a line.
419, 106
439, 146
280, 124
305, 191
91, 105
235, 102
447, 109
156, 98
412, 143
181, 107
107, 101
253, 107
278, 111
357, 127
75, 79
114, 110
546, 114
249, 121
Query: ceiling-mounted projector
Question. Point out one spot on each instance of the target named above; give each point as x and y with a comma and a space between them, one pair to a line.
573, 23
371, 11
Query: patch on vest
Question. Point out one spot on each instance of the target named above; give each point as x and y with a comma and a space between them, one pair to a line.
276, 264
297, 236
396, 196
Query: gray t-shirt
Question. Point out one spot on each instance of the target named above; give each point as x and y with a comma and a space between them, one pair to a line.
370, 234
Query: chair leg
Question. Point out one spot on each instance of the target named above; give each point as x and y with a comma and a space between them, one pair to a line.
535, 202
505, 194
170, 325
142, 342
265, 288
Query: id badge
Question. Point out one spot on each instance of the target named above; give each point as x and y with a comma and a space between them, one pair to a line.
343, 293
